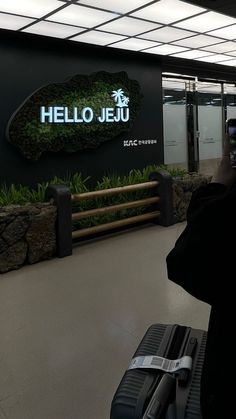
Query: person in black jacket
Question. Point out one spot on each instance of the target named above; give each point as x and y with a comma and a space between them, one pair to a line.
203, 262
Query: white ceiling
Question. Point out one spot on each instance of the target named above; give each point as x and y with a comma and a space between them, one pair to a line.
164, 27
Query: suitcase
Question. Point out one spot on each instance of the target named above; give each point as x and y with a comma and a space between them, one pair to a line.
148, 393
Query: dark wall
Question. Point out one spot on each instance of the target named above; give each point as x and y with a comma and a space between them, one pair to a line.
29, 62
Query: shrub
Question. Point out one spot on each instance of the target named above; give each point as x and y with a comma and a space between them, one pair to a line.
21, 195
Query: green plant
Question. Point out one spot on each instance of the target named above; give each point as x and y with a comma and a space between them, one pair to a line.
174, 171
21, 195
114, 181
18, 194
14, 195
77, 184
38, 194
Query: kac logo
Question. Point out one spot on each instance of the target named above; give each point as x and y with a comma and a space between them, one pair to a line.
132, 143
63, 114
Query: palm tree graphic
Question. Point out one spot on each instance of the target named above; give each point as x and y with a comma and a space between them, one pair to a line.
125, 100
118, 96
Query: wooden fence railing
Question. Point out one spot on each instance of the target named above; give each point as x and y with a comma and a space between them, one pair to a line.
160, 183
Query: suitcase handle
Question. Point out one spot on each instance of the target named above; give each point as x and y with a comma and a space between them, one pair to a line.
162, 397
183, 376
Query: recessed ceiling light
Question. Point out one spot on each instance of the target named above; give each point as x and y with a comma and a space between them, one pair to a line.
31, 8
198, 41
164, 50
128, 26
82, 16
226, 33
206, 22
168, 11
167, 34
134, 44
56, 30
120, 6
222, 47
216, 58
97, 38
195, 53
13, 22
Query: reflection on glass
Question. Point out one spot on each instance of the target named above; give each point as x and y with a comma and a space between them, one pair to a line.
175, 123
209, 126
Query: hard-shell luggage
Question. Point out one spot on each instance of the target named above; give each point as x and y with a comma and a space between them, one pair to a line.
163, 379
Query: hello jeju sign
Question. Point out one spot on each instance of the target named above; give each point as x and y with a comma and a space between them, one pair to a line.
76, 115
63, 114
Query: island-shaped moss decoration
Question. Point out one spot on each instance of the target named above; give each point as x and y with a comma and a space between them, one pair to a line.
70, 116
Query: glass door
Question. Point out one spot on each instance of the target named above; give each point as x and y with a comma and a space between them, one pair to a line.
175, 123
210, 125
194, 114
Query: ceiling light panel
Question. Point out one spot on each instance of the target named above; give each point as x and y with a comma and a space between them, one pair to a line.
81, 16
13, 22
206, 22
172, 85
32, 8
213, 58
97, 38
55, 30
134, 44
198, 41
194, 53
230, 63
168, 11
167, 34
120, 6
232, 53
208, 88
222, 47
165, 50
229, 88
226, 33
128, 26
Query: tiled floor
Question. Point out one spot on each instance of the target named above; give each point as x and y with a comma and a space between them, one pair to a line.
69, 327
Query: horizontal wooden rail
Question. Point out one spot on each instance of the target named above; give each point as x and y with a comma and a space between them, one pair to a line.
115, 224
61, 196
114, 191
113, 208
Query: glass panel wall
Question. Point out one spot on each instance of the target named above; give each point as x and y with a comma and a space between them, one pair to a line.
210, 123
230, 94
194, 115
175, 123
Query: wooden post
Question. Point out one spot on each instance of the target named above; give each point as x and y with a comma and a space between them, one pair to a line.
62, 199
165, 191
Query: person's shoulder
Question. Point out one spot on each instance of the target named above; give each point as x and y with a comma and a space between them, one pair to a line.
211, 203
